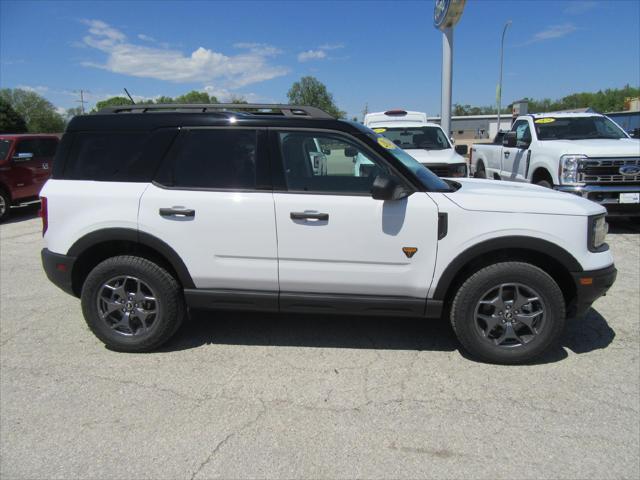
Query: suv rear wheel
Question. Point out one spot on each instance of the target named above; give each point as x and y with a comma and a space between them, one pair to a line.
508, 313
132, 304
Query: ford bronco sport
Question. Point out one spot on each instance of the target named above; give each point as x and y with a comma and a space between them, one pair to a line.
152, 210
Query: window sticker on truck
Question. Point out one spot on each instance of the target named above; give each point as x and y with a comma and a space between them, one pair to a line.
545, 120
379, 130
388, 144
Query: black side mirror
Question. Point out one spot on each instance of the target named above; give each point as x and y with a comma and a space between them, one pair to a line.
350, 152
387, 188
326, 151
510, 140
462, 149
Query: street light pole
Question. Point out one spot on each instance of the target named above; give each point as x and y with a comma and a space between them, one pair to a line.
499, 89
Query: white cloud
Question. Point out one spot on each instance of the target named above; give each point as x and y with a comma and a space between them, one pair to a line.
552, 32
146, 38
577, 7
311, 55
202, 65
37, 89
320, 53
259, 48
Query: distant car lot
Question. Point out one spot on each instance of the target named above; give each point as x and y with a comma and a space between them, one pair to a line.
274, 396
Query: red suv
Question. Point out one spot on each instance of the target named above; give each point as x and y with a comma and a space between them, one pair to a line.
25, 165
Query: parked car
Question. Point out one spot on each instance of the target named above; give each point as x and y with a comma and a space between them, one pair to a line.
426, 142
25, 165
153, 209
586, 154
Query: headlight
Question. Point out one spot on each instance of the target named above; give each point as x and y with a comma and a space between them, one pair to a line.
568, 171
598, 228
458, 170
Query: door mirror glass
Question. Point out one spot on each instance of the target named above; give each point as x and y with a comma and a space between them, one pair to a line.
509, 140
462, 149
350, 152
387, 187
22, 157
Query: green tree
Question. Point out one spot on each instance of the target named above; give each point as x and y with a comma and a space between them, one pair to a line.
72, 112
196, 97
38, 113
312, 92
10, 120
111, 102
162, 100
238, 99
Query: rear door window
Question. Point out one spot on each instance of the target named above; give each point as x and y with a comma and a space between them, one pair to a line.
215, 159
5, 146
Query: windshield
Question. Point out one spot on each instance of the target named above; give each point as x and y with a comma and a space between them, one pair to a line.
427, 138
429, 179
576, 128
5, 145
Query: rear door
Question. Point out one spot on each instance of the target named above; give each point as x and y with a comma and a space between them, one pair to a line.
333, 237
212, 203
514, 160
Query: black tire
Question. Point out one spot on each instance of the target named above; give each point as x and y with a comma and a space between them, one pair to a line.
483, 346
544, 183
5, 205
168, 304
480, 171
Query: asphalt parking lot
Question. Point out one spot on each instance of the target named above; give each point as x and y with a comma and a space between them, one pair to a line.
270, 396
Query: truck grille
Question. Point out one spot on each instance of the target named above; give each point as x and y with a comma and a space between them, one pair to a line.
441, 170
607, 170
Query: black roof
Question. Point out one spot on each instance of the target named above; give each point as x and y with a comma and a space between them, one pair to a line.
151, 117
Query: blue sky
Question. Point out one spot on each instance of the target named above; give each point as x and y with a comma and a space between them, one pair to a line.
384, 54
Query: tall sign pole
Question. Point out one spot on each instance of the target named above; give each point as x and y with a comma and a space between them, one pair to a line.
445, 15
499, 87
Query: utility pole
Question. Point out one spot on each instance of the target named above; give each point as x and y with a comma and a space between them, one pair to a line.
365, 111
82, 101
499, 89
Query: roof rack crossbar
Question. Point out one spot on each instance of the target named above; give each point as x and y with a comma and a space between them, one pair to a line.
299, 111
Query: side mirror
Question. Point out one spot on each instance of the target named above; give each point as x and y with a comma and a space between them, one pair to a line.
350, 152
510, 140
22, 157
387, 188
326, 151
462, 149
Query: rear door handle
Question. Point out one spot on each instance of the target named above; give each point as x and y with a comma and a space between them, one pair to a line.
506, 154
177, 212
309, 215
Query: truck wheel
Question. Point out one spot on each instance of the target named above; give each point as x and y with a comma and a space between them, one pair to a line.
5, 204
544, 183
131, 304
480, 171
508, 313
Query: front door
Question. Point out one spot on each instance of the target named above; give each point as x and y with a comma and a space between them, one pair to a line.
333, 237
514, 159
31, 165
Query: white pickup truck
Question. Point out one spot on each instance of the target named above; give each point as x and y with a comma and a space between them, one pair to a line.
426, 142
582, 153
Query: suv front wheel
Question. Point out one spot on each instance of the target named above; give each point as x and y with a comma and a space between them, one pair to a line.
508, 313
132, 304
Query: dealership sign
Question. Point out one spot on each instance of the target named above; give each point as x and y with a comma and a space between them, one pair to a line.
447, 13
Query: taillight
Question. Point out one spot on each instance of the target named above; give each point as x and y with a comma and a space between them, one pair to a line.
44, 214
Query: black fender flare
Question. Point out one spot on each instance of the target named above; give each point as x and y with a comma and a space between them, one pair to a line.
127, 234
531, 244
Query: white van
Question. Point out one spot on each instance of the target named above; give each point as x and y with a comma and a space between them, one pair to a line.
426, 142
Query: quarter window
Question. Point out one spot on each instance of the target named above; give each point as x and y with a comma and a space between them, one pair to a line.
217, 158
324, 162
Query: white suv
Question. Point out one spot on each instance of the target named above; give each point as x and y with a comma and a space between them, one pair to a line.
154, 209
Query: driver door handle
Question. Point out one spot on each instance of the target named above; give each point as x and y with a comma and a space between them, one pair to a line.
506, 154
177, 212
309, 216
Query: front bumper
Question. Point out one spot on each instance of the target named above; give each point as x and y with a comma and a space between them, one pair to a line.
606, 195
58, 269
591, 285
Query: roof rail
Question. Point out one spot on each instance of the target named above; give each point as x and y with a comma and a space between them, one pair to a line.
298, 111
